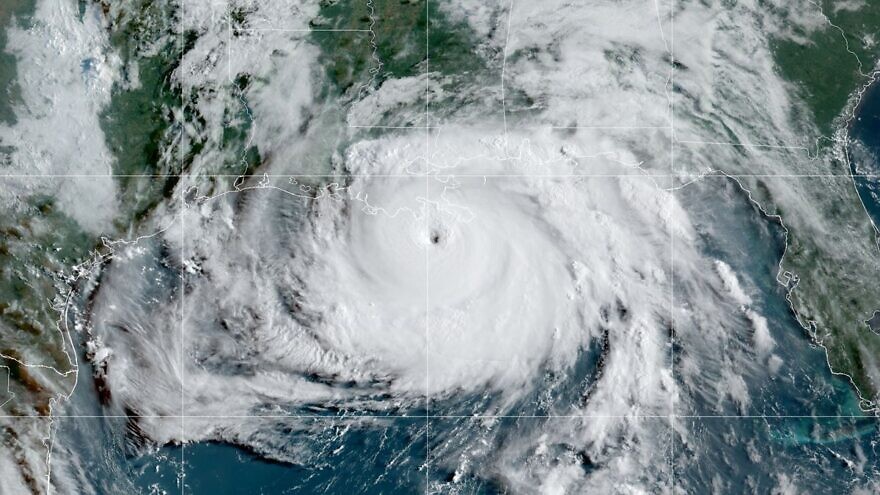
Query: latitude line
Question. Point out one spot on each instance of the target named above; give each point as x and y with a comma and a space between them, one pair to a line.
355, 416
299, 30
442, 174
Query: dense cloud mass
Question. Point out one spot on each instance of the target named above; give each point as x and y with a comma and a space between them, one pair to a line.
551, 235
393, 290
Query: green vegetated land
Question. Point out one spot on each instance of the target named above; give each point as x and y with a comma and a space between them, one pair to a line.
18, 11
834, 256
398, 32
403, 32
819, 61
143, 126
139, 124
837, 271
151, 127
409, 38
37, 241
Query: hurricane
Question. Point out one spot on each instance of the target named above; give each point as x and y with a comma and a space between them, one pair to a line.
439, 247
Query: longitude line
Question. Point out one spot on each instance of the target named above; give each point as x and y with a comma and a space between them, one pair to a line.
180, 157
427, 250
672, 244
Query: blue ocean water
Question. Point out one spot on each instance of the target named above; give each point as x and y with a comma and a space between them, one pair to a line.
803, 425
386, 456
732, 230
801, 416
814, 435
101, 448
864, 151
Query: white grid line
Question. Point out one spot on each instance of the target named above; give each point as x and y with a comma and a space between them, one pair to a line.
428, 416
528, 127
182, 331
672, 244
181, 156
354, 416
504, 67
427, 249
299, 30
414, 127
445, 173
742, 145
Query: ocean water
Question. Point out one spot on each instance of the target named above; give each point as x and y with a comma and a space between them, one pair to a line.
802, 423
732, 230
806, 430
864, 151
814, 436
803, 427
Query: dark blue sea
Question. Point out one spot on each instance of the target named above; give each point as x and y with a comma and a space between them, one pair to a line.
803, 426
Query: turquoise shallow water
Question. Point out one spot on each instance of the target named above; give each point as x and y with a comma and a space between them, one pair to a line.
801, 416
389, 456
804, 423
732, 230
